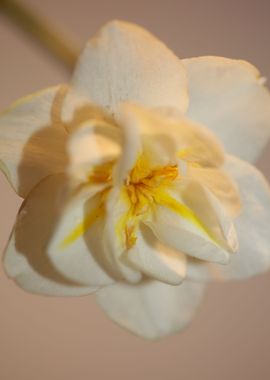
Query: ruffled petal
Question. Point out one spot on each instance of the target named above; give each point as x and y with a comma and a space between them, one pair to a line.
228, 96
32, 139
163, 139
155, 260
26, 259
93, 148
126, 63
252, 227
151, 310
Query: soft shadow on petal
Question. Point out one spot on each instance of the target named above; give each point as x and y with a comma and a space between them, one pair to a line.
26, 259
229, 98
252, 227
32, 141
152, 309
156, 260
185, 236
221, 185
114, 238
95, 142
124, 63
163, 139
74, 247
212, 214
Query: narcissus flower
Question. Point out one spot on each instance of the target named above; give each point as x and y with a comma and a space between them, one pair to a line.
133, 181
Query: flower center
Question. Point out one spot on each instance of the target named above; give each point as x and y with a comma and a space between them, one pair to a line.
142, 191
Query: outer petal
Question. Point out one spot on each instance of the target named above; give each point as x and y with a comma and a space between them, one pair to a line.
126, 63
252, 227
32, 139
152, 309
26, 258
228, 96
42, 279
155, 260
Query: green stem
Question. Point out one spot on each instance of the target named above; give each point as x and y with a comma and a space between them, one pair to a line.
49, 36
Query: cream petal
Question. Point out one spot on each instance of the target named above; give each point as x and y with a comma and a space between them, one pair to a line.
96, 142
221, 185
212, 214
26, 259
40, 279
228, 96
155, 260
151, 310
75, 248
114, 245
252, 226
32, 139
126, 63
185, 236
163, 139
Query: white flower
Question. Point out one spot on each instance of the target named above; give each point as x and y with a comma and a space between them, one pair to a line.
127, 193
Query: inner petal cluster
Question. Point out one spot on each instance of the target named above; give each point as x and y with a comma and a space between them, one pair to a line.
141, 192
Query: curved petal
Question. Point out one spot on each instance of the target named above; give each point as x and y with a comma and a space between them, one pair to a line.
206, 235
32, 139
43, 280
252, 226
95, 143
228, 97
212, 215
113, 242
221, 185
126, 63
156, 260
37, 223
163, 139
152, 309
26, 259
75, 248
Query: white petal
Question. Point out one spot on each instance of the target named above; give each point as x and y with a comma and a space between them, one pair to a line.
126, 63
155, 260
162, 139
37, 275
94, 143
221, 185
75, 248
32, 139
183, 233
152, 309
114, 245
26, 257
212, 214
252, 227
228, 97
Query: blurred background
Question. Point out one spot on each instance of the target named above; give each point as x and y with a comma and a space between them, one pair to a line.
70, 339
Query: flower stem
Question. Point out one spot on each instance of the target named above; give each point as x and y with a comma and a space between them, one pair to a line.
64, 49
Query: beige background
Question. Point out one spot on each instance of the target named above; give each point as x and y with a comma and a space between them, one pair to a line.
70, 339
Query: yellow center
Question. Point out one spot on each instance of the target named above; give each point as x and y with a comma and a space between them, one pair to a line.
145, 188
